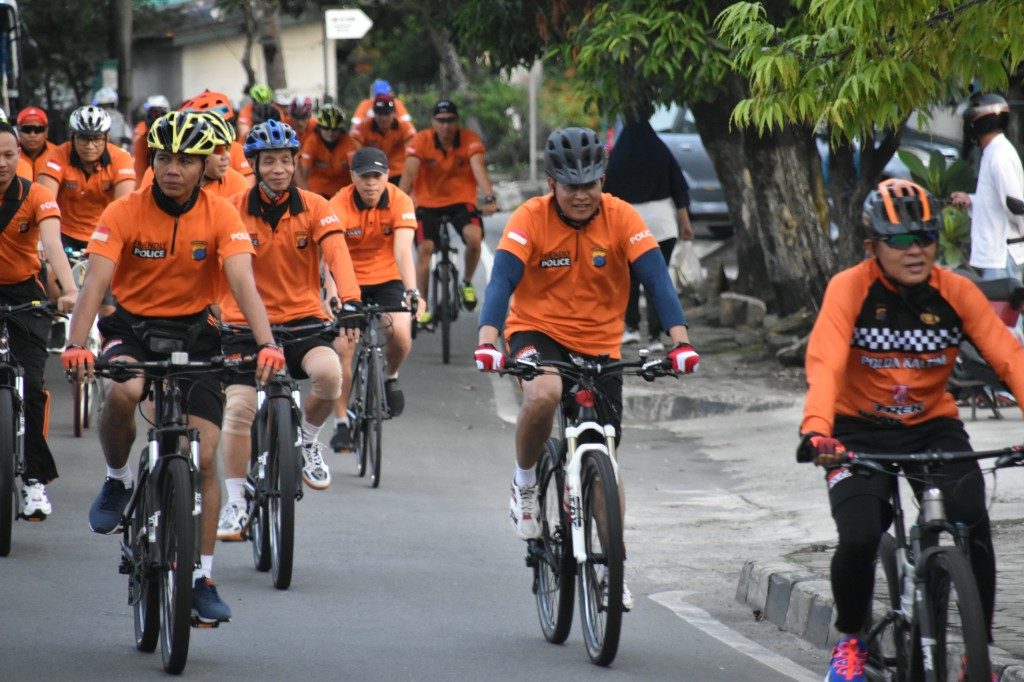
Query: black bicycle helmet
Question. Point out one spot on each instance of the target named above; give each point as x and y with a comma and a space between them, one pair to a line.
261, 113
986, 113
574, 156
899, 207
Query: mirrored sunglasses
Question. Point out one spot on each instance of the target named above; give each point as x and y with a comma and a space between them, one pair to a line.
905, 241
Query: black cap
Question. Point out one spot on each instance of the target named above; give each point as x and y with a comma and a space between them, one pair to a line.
369, 160
445, 106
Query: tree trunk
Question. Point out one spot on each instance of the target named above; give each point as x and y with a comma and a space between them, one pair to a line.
776, 201
452, 76
123, 42
249, 26
268, 16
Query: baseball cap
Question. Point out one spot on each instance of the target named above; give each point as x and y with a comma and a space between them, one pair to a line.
381, 87
383, 104
33, 115
369, 160
445, 106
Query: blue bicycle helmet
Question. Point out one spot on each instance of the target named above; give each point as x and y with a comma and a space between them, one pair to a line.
270, 135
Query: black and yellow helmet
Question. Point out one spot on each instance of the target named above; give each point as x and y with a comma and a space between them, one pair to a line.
330, 117
182, 133
223, 132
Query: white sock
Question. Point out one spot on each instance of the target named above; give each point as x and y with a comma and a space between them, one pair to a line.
310, 433
338, 421
236, 490
206, 567
393, 376
124, 474
526, 476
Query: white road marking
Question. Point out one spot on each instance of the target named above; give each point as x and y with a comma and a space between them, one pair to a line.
675, 602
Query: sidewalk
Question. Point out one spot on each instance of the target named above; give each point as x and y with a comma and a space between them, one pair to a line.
744, 409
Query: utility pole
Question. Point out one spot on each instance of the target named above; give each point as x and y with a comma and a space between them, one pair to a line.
123, 51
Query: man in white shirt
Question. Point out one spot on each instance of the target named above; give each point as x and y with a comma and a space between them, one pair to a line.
1000, 176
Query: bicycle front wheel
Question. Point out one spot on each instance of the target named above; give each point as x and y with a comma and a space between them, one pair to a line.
600, 576
958, 622
444, 305
374, 420
143, 587
358, 424
553, 562
8, 453
283, 470
175, 536
888, 652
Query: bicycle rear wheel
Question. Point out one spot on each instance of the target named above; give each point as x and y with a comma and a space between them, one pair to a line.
373, 421
283, 474
176, 536
887, 653
8, 484
958, 620
143, 586
444, 306
552, 559
600, 577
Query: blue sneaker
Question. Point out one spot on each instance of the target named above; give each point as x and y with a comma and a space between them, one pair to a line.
108, 507
207, 606
848, 659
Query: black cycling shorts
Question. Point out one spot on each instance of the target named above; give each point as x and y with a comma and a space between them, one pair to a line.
390, 294
294, 351
429, 220
534, 344
204, 397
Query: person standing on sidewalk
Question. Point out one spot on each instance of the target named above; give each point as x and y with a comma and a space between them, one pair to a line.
642, 171
878, 360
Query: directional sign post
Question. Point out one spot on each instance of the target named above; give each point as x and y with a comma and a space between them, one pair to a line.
340, 24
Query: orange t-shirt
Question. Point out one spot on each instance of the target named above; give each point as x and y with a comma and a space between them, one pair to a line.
24, 168
328, 169
574, 284
140, 148
370, 232
445, 177
19, 243
167, 266
391, 141
82, 199
364, 110
231, 184
40, 161
306, 131
238, 160
287, 263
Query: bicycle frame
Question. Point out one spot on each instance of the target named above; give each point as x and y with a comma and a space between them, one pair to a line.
575, 431
280, 387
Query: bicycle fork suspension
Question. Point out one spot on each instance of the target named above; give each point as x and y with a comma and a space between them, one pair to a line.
573, 500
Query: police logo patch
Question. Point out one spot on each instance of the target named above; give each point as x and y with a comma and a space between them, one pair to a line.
599, 257
301, 240
199, 250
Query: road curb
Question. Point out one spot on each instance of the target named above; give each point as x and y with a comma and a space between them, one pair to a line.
800, 602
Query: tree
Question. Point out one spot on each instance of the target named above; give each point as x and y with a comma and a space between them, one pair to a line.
261, 21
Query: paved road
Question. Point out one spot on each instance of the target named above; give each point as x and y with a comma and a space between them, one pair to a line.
418, 580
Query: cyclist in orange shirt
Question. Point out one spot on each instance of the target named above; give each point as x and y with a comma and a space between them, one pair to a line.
286, 226
567, 257
33, 128
300, 117
258, 94
379, 223
387, 133
364, 109
209, 100
155, 106
163, 251
86, 174
443, 167
324, 159
28, 216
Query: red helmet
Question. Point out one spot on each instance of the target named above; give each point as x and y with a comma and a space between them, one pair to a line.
301, 107
209, 100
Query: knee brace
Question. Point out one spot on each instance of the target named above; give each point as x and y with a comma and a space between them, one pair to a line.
324, 368
239, 410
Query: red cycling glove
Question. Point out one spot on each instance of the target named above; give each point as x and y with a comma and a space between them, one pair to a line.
813, 444
270, 356
488, 358
74, 357
684, 359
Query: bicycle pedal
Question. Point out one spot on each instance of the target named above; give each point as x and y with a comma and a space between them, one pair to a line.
202, 624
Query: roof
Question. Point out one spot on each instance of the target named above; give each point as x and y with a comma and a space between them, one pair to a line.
199, 21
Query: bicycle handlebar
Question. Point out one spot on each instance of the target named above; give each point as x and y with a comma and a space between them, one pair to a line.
1008, 457
40, 306
649, 368
178, 364
287, 333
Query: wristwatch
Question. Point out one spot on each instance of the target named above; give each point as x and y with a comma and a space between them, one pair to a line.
490, 199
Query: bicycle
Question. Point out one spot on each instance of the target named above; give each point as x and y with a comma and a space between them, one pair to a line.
274, 483
159, 544
369, 406
934, 622
87, 397
579, 508
444, 287
12, 420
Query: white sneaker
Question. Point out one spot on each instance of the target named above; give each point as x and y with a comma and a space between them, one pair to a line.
601, 574
315, 472
34, 504
630, 336
233, 518
522, 511
627, 596
656, 346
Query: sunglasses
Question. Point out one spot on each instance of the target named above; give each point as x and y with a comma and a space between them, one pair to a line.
446, 120
903, 242
28, 130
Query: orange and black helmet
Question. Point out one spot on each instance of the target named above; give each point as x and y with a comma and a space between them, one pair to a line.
209, 100
899, 207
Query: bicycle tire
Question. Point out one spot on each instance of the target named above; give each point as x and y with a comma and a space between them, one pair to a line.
958, 624
8, 466
888, 654
555, 570
601, 619
259, 525
283, 470
78, 407
358, 427
444, 305
146, 602
176, 538
374, 420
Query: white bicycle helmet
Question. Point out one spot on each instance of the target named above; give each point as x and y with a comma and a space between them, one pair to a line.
157, 102
90, 121
105, 96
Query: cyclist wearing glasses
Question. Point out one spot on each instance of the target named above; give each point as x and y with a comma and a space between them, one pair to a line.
86, 174
443, 167
28, 216
567, 256
324, 159
33, 127
387, 133
879, 358
218, 102
289, 228
379, 222
163, 251
364, 109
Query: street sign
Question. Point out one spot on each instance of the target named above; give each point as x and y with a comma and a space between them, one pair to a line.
346, 24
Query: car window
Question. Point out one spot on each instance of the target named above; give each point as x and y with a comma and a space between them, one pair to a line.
685, 123
663, 119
